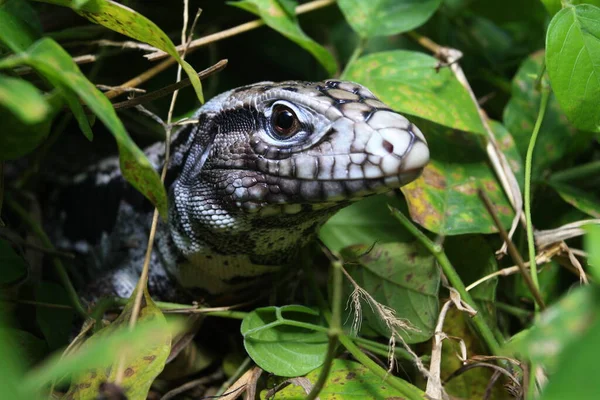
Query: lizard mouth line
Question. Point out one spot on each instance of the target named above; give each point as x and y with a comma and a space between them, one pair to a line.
317, 179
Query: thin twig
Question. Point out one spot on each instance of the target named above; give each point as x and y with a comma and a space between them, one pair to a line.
512, 250
15, 239
170, 88
248, 26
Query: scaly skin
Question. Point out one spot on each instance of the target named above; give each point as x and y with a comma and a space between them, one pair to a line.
247, 192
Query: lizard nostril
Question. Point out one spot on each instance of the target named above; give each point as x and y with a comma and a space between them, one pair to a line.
388, 146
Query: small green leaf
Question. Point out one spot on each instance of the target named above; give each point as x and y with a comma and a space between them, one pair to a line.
365, 222
14, 268
573, 61
31, 349
23, 99
387, 17
558, 327
592, 246
444, 198
276, 17
402, 276
141, 366
55, 323
409, 82
280, 348
51, 60
347, 380
554, 6
584, 201
126, 21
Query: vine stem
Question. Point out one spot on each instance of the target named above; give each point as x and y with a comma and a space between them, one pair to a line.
528, 166
438, 252
358, 50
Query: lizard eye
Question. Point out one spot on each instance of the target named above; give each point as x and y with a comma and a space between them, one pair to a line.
284, 121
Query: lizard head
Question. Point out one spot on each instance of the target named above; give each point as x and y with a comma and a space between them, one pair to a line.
292, 151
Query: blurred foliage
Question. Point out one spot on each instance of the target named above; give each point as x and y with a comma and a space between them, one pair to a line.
55, 121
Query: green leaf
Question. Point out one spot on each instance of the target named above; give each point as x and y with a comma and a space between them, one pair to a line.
281, 348
554, 6
142, 364
409, 82
18, 138
14, 268
365, 222
23, 99
275, 16
559, 138
347, 380
387, 17
576, 378
558, 327
584, 201
592, 246
14, 33
573, 61
55, 323
52, 61
444, 198
31, 349
402, 276
126, 21
28, 16
12, 367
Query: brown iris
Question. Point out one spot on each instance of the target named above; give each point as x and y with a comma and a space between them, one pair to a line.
284, 121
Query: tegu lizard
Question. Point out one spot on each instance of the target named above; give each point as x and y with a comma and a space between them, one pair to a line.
248, 186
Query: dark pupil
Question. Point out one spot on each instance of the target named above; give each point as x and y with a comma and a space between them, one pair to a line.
284, 120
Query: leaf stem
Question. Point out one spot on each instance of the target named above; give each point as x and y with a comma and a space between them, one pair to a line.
358, 50
545, 95
438, 252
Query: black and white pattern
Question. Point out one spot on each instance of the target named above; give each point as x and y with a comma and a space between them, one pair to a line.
251, 183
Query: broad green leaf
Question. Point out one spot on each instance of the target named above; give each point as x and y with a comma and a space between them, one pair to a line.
23, 99
28, 16
276, 17
18, 38
573, 61
554, 6
592, 246
387, 17
575, 378
55, 323
14, 268
126, 21
473, 259
558, 327
558, 138
444, 198
279, 347
14, 33
12, 367
365, 222
584, 201
409, 82
347, 380
31, 349
18, 138
402, 276
142, 364
51, 60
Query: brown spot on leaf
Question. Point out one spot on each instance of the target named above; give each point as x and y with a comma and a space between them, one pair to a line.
434, 178
409, 277
150, 358
129, 372
350, 376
